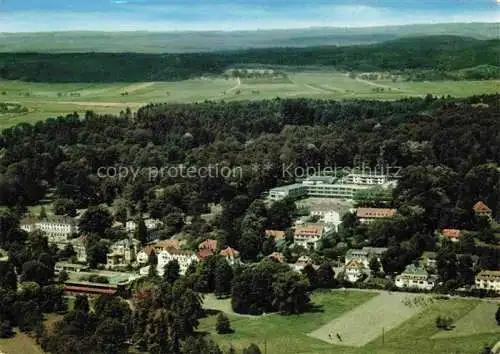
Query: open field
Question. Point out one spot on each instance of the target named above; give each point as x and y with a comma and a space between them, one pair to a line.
51, 100
367, 322
413, 332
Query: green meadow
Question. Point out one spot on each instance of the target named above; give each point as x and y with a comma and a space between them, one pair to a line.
44, 100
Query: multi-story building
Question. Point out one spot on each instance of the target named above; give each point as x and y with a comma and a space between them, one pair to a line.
415, 277
329, 187
122, 253
368, 215
488, 280
151, 224
355, 270
58, 229
308, 235
364, 255
184, 258
143, 255
70, 267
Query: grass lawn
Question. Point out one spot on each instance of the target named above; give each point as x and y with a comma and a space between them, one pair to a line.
288, 334
283, 334
45, 100
21, 343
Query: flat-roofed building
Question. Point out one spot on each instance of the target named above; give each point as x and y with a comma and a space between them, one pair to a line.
331, 187
70, 267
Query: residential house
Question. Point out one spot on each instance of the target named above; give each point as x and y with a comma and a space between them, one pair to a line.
328, 216
488, 280
416, 277
122, 253
231, 255
354, 271
163, 245
368, 215
308, 235
210, 245
276, 234
481, 209
277, 256
364, 255
452, 235
151, 224
302, 262
58, 229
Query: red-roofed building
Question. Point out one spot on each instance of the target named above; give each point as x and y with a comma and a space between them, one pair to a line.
209, 244
308, 235
231, 255
204, 253
367, 215
451, 234
276, 234
481, 209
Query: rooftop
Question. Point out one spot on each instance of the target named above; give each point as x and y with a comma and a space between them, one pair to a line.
451, 233
375, 212
229, 252
309, 230
480, 207
277, 234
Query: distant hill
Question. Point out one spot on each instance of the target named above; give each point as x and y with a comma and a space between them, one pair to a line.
437, 53
181, 42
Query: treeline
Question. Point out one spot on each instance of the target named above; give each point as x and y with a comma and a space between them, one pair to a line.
442, 53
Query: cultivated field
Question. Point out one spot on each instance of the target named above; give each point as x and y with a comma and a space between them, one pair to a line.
52, 100
359, 316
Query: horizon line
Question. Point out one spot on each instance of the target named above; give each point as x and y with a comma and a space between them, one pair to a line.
254, 29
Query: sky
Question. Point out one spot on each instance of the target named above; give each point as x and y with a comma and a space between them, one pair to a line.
227, 15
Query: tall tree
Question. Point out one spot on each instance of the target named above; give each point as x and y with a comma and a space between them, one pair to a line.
223, 277
95, 221
171, 271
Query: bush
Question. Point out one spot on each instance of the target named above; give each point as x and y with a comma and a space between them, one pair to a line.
443, 322
223, 325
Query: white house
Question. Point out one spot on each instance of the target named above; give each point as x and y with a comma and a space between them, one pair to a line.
184, 258
488, 280
163, 245
58, 229
308, 235
415, 277
354, 270
151, 224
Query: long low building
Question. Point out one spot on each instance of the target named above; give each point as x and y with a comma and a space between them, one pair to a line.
329, 187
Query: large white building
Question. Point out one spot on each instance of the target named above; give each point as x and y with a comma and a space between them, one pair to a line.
368, 215
58, 229
184, 258
151, 224
488, 280
416, 278
329, 187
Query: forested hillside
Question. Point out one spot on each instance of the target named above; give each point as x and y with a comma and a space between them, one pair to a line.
438, 53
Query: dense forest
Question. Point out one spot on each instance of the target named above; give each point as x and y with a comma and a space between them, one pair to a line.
437, 53
448, 150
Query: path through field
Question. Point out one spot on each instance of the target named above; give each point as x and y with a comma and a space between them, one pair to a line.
368, 321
